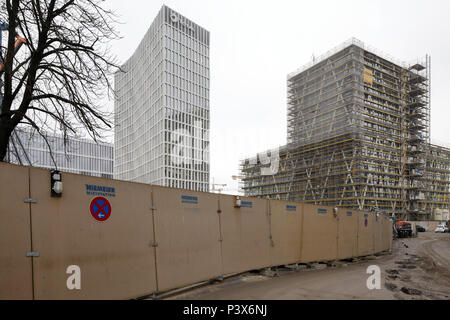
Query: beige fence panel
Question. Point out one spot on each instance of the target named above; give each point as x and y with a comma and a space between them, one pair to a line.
116, 256
188, 237
319, 233
347, 234
15, 242
387, 233
285, 227
246, 244
390, 234
365, 233
378, 234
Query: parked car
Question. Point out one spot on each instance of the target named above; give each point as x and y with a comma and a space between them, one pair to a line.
420, 228
441, 228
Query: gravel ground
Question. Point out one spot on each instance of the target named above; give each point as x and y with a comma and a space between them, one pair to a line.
417, 268
421, 268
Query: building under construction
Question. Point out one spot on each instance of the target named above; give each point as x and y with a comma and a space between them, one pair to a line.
358, 137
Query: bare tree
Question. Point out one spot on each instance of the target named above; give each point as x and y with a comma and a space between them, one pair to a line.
63, 74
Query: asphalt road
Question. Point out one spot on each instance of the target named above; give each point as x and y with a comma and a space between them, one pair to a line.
417, 268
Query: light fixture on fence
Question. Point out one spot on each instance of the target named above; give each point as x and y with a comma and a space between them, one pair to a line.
237, 202
335, 211
56, 185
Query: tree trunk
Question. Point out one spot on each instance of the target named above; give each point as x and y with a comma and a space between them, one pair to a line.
5, 134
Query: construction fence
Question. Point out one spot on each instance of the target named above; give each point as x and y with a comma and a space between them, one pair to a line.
130, 240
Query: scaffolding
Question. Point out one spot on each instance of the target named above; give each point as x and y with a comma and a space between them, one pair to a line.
358, 137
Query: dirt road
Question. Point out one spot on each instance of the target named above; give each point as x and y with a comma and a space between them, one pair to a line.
418, 268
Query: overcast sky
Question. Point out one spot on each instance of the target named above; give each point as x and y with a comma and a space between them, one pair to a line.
255, 44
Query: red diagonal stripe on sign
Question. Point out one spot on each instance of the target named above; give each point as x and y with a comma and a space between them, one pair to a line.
101, 208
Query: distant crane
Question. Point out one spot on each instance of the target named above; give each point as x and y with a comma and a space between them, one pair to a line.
220, 186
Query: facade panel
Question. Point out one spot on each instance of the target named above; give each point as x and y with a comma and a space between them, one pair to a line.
82, 156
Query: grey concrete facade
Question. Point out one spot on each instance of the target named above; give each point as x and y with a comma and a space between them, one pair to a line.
162, 106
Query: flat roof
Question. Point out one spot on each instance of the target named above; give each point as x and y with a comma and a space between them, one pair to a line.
342, 46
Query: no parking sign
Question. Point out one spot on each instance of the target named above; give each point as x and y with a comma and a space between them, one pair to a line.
100, 209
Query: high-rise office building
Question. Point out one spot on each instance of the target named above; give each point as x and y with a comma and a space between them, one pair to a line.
162, 106
358, 137
82, 156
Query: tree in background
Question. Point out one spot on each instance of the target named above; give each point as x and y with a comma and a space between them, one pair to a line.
62, 75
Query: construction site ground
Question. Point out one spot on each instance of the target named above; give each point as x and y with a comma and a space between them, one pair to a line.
417, 268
